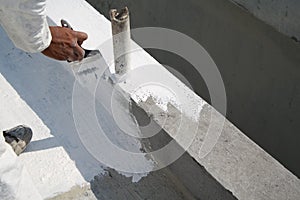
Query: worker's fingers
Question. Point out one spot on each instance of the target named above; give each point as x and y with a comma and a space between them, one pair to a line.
53, 54
65, 44
81, 36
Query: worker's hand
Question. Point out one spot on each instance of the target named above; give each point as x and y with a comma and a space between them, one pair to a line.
65, 44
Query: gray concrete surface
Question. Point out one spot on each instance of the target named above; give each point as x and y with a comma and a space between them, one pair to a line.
283, 15
259, 65
78, 193
164, 184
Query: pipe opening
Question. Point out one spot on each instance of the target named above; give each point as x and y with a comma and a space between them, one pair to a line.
119, 16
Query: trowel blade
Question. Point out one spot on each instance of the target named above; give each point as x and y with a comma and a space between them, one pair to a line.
89, 53
92, 67
94, 81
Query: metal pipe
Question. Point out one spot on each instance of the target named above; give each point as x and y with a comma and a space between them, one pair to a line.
121, 39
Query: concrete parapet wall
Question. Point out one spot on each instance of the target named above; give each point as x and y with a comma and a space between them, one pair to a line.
236, 162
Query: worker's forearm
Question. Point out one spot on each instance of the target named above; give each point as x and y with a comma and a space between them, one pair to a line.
26, 24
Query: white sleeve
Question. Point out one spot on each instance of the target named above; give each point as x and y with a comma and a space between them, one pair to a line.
25, 23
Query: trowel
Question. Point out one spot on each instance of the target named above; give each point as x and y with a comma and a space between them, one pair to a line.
94, 64
94, 68
90, 68
93, 72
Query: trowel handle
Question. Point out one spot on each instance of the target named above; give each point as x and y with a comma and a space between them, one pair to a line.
65, 24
